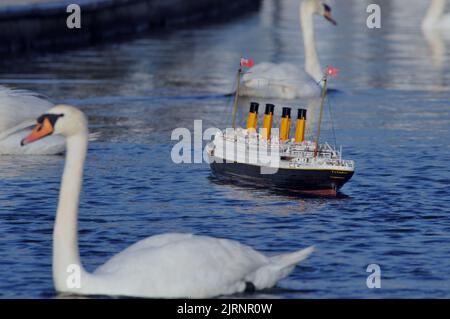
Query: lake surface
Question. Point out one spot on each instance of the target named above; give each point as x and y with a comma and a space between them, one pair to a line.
390, 113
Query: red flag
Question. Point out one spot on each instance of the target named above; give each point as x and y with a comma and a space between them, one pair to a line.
332, 71
247, 63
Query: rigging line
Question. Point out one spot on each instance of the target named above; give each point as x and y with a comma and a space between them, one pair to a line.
232, 100
332, 122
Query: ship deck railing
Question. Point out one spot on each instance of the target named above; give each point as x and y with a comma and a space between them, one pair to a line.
301, 153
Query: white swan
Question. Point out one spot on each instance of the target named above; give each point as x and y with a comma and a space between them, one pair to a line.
435, 18
167, 265
288, 81
435, 26
18, 111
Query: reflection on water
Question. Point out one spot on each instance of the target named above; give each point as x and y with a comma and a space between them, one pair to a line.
390, 114
255, 192
436, 46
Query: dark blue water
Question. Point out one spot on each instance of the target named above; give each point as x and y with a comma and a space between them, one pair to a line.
391, 114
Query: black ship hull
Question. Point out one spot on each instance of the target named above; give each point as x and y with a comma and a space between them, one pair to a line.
325, 182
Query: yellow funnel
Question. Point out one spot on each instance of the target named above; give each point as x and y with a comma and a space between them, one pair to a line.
268, 118
300, 130
285, 125
252, 120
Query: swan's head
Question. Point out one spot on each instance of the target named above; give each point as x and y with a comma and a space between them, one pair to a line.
320, 8
62, 119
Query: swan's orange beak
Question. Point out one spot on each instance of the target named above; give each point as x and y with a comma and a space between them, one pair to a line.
41, 130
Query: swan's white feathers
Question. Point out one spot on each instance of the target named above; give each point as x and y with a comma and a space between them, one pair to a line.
17, 106
18, 111
279, 267
436, 18
184, 265
51, 145
284, 80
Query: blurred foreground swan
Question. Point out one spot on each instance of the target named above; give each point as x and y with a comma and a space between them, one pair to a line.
166, 265
288, 81
18, 111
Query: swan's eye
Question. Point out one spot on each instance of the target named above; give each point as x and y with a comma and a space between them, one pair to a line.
41, 119
327, 7
52, 118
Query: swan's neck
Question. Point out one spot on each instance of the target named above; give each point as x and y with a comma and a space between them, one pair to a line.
66, 259
312, 64
434, 13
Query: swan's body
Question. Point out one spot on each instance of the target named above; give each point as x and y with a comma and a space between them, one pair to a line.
18, 110
270, 80
436, 18
288, 81
167, 265
186, 265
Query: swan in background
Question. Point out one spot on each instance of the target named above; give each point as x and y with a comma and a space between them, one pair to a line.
434, 28
435, 18
288, 81
166, 265
18, 111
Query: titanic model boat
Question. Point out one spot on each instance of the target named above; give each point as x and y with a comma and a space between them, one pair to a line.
270, 158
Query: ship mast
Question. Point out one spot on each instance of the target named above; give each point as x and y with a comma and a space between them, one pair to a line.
236, 97
322, 102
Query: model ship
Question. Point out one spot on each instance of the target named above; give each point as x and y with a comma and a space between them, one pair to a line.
271, 158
